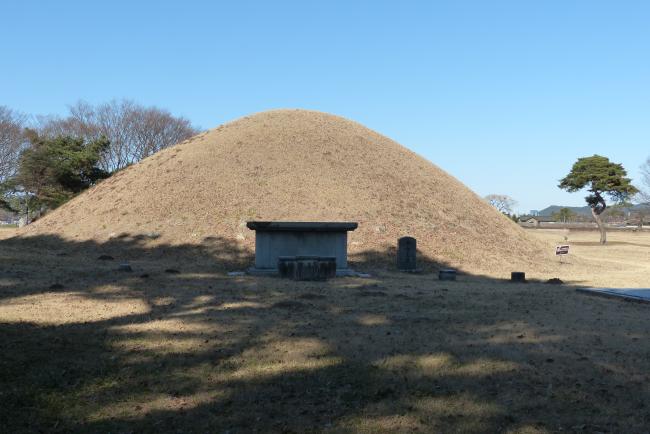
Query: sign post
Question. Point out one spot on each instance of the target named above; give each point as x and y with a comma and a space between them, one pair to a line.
561, 251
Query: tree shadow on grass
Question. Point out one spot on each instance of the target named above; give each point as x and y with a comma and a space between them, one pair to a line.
197, 351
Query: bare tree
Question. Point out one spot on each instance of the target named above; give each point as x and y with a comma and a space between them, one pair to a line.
135, 131
643, 197
12, 141
501, 202
644, 191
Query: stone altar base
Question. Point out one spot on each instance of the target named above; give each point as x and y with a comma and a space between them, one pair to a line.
275, 240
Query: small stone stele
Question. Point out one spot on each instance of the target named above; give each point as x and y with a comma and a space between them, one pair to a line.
407, 254
518, 276
447, 274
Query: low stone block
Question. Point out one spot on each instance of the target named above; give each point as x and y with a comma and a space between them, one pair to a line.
518, 276
286, 266
314, 268
125, 267
447, 274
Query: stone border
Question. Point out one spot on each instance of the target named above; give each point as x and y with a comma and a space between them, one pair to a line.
340, 272
615, 293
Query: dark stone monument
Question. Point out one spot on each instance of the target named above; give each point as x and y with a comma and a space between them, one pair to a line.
406, 254
518, 276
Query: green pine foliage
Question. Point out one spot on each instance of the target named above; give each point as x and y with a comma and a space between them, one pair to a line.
53, 170
600, 176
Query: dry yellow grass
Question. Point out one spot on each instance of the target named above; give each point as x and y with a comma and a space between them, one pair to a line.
624, 262
297, 165
201, 352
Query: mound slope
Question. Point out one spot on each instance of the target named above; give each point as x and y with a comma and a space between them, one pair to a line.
297, 165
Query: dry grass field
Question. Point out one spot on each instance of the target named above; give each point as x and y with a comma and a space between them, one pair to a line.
178, 346
623, 263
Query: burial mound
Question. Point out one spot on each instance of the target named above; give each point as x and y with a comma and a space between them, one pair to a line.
295, 165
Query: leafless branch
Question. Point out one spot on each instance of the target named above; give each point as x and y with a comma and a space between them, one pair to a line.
135, 131
12, 141
501, 202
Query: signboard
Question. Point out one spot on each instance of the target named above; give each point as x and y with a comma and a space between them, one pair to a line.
562, 250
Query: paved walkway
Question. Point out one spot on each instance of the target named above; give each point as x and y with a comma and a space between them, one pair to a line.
636, 294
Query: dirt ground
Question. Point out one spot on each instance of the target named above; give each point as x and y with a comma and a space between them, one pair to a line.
178, 346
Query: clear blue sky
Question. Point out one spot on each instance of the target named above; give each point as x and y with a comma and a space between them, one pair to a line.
504, 95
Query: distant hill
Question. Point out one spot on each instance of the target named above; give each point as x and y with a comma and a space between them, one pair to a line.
550, 210
583, 210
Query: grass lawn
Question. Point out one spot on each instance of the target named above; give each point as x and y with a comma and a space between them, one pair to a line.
85, 348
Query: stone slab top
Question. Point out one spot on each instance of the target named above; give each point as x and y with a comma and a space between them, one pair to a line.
301, 226
635, 294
